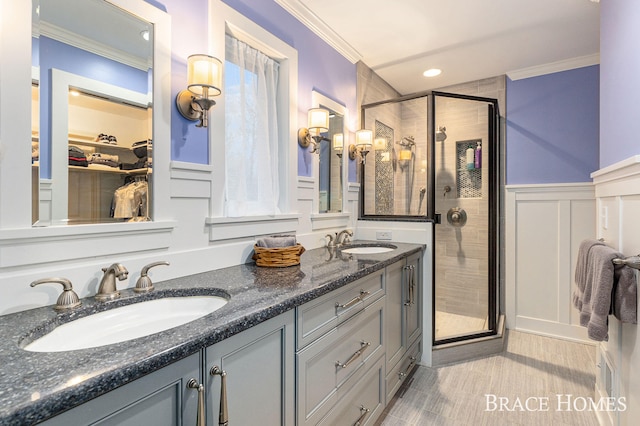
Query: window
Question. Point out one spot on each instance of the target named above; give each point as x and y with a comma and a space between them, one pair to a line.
232, 217
252, 133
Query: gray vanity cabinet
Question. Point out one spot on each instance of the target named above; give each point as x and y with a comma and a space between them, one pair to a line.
403, 324
159, 398
340, 354
259, 368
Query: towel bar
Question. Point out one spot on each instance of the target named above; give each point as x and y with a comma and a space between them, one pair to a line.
631, 261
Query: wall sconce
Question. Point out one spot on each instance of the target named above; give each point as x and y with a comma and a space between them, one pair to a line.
364, 141
338, 144
318, 119
204, 80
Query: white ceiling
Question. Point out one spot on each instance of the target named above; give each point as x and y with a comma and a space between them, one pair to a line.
467, 39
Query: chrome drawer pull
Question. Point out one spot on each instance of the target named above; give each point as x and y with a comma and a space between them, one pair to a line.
406, 372
363, 345
223, 416
358, 298
364, 412
193, 384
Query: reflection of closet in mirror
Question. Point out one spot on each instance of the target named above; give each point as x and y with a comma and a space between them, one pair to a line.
94, 105
105, 131
330, 167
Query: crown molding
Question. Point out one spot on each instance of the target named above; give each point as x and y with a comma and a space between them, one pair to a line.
553, 67
65, 36
309, 19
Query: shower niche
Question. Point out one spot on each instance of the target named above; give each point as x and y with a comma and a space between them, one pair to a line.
469, 173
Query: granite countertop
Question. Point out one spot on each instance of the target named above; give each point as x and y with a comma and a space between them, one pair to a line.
37, 385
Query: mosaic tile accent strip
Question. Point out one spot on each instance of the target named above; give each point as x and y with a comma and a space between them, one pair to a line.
384, 170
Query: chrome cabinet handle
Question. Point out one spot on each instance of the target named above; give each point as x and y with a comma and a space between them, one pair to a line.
363, 346
406, 372
363, 414
223, 415
358, 298
193, 384
413, 285
411, 282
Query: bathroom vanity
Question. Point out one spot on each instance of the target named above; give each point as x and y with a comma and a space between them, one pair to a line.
325, 342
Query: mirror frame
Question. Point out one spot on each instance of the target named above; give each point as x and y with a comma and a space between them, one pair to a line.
15, 158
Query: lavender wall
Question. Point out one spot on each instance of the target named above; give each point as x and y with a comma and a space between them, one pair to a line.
619, 84
320, 66
553, 127
189, 18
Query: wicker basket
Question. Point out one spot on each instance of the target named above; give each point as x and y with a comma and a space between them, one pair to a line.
278, 257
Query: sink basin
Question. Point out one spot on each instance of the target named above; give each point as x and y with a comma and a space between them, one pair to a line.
368, 249
126, 323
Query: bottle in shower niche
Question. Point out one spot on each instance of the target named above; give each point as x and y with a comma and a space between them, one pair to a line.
470, 158
478, 156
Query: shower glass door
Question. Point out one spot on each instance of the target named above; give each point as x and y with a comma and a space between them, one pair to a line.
464, 198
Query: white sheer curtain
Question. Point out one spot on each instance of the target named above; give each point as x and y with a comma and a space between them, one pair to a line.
251, 131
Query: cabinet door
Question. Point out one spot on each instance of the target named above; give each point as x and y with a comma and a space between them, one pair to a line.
259, 368
394, 311
413, 299
159, 398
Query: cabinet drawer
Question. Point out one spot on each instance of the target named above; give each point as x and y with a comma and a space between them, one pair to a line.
397, 375
319, 316
363, 403
337, 360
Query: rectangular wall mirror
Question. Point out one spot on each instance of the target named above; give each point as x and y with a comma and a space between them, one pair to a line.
92, 115
331, 162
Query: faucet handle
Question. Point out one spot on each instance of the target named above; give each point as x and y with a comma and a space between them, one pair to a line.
144, 283
68, 299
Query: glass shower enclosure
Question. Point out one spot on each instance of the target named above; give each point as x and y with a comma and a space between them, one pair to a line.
435, 159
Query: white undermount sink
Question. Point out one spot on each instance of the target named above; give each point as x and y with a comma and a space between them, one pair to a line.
126, 323
368, 249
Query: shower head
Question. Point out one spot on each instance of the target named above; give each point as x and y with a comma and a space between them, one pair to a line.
440, 134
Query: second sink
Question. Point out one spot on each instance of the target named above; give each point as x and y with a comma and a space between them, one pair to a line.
126, 323
368, 248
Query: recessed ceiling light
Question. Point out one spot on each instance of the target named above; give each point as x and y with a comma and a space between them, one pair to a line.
432, 72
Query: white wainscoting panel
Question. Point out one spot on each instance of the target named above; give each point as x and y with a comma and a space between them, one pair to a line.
617, 190
544, 227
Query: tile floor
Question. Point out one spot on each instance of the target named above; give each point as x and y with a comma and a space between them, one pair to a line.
531, 366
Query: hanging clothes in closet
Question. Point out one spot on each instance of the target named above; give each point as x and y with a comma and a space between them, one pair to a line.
130, 201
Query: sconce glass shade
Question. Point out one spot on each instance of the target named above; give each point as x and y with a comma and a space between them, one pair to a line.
204, 75
379, 143
338, 142
364, 139
405, 155
318, 119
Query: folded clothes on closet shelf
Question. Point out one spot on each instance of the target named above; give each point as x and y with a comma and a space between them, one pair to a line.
77, 157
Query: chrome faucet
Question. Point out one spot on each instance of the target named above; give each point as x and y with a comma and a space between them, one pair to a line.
107, 289
343, 236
